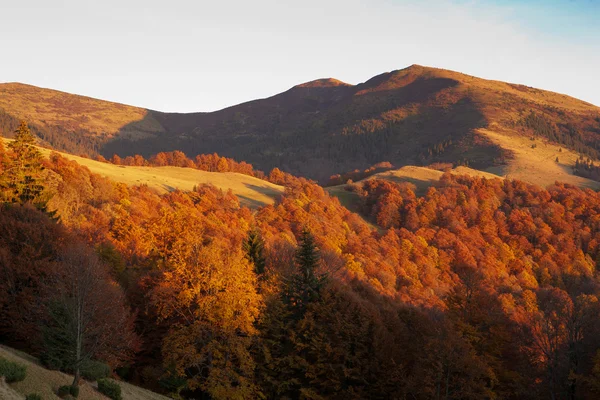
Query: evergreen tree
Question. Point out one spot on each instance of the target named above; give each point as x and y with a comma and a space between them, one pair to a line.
3, 161
254, 246
24, 179
305, 285
2, 153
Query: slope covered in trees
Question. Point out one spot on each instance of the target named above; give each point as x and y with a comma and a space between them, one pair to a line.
413, 116
479, 288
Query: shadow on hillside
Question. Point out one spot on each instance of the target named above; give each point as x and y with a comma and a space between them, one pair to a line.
265, 191
169, 188
423, 122
250, 202
584, 183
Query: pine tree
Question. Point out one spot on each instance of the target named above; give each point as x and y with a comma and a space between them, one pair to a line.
2, 153
254, 248
24, 173
305, 286
3, 166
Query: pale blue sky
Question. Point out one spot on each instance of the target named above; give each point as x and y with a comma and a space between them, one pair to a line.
200, 56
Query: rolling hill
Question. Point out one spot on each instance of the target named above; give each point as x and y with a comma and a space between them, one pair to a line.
251, 191
413, 116
422, 178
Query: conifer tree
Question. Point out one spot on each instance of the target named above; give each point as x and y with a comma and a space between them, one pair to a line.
286, 328
2, 153
3, 161
305, 286
254, 248
24, 172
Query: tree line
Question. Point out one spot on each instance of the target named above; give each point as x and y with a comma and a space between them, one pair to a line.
478, 289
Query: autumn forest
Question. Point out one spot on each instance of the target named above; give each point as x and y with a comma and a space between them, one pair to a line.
476, 289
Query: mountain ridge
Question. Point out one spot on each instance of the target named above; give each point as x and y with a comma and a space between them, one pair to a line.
411, 116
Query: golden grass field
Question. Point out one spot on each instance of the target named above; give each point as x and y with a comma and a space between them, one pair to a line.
252, 192
45, 382
537, 165
423, 178
54, 108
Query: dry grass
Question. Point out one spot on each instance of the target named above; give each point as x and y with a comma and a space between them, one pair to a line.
42, 381
252, 192
7, 393
537, 165
45, 382
53, 108
423, 178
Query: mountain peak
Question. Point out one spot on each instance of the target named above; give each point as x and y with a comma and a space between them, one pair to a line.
326, 82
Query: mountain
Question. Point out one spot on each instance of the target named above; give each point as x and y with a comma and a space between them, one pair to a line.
413, 116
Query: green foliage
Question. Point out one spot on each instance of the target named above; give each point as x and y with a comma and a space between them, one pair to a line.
64, 390
254, 248
305, 285
307, 255
74, 391
110, 389
24, 178
92, 370
51, 361
58, 339
12, 371
111, 257
173, 383
33, 396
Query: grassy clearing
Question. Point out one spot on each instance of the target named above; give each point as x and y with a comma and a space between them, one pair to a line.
252, 192
45, 382
537, 165
423, 178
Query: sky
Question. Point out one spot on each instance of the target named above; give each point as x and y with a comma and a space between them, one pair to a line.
198, 55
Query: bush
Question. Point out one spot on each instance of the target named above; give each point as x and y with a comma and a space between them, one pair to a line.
64, 390
110, 389
51, 362
33, 396
12, 371
94, 370
74, 390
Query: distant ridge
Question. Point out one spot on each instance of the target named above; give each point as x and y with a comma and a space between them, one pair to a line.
327, 82
412, 116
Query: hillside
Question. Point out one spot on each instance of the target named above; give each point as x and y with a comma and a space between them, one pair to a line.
252, 192
422, 178
483, 288
413, 116
46, 382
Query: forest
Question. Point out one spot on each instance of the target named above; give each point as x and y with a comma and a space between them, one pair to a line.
479, 289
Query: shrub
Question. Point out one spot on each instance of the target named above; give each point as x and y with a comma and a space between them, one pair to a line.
51, 362
12, 371
33, 396
74, 390
110, 389
94, 370
64, 390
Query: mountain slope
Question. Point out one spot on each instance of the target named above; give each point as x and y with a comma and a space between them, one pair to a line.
46, 382
414, 116
252, 192
422, 178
